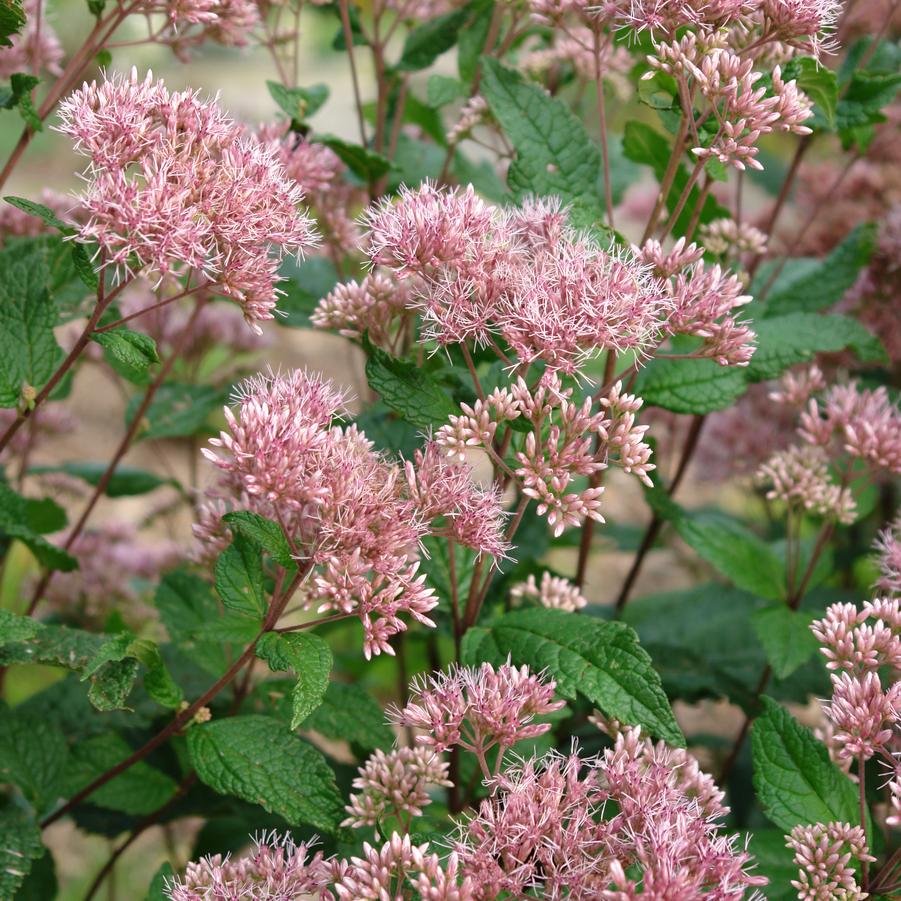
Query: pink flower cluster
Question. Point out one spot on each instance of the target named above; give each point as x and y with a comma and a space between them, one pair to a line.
395, 784
478, 709
554, 592
888, 545
175, 187
189, 23
354, 515
728, 238
826, 854
565, 441
371, 306
640, 821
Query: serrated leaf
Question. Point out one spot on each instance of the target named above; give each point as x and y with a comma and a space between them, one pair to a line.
364, 163
112, 683
298, 103
809, 286
127, 481
29, 353
796, 782
786, 637
783, 341
134, 352
864, 98
309, 657
44, 213
12, 19
239, 579
601, 660
16, 628
138, 791
255, 758
177, 410
442, 89
33, 754
408, 390
20, 846
426, 42
349, 713
264, 533
554, 153
690, 386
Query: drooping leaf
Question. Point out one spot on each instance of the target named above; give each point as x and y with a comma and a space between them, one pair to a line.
298, 103
310, 657
255, 758
364, 163
601, 660
130, 353
427, 41
796, 782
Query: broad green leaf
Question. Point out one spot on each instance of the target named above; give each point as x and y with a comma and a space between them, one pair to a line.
786, 637
161, 879
264, 533
130, 353
809, 286
41, 883
661, 91
819, 83
255, 758
796, 782
426, 42
16, 628
408, 390
158, 681
298, 103
304, 285
177, 410
642, 144
349, 713
138, 791
437, 568
310, 657
20, 847
775, 861
12, 19
126, 481
554, 153
690, 386
472, 41
239, 578
601, 660
864, 99
25, 519
364, 163
33, 755
442, 89
783, 341
29, 354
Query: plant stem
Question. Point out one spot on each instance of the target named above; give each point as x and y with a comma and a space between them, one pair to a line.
862, 798
669, 176
349, 41
602, 122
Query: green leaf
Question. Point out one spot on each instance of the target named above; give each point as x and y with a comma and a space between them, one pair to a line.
472, 41
12, 20
33, 755
642, 144
41, 882
690, 386
29, 354
364, 163
786, 637
127, 481
20, 847
254, 758
864, 99
177, 410
18, 97
554, 153
298, 103
783, 341
426, 42
775, 861
817, 285
16, 628
601, 660
309, 657
820, 85
158, 682
131, 353
407, 389
795, 780
349, 713
239, 578
18, 518
44, 213
442, 89
138, 791
437, 567
264, 533
304, 285
161, 879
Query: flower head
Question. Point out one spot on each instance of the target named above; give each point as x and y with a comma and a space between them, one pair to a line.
824, 852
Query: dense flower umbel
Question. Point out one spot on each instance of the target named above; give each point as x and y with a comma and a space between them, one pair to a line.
888, 544
355, 515
394, 784
549, 832
826, 854
554, 592
176, 187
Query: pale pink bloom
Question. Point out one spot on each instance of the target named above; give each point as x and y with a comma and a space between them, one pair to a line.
478, 708
554, 592
175, 187
726, 237
826, 854
36, 48
800, 477
797, 386
888, 544
802, 23
47, 423
667, 264
371, 306
276, 870
190, 23
865, 717
395, 784
474, 112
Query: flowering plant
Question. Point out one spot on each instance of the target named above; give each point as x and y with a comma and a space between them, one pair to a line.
449, 634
